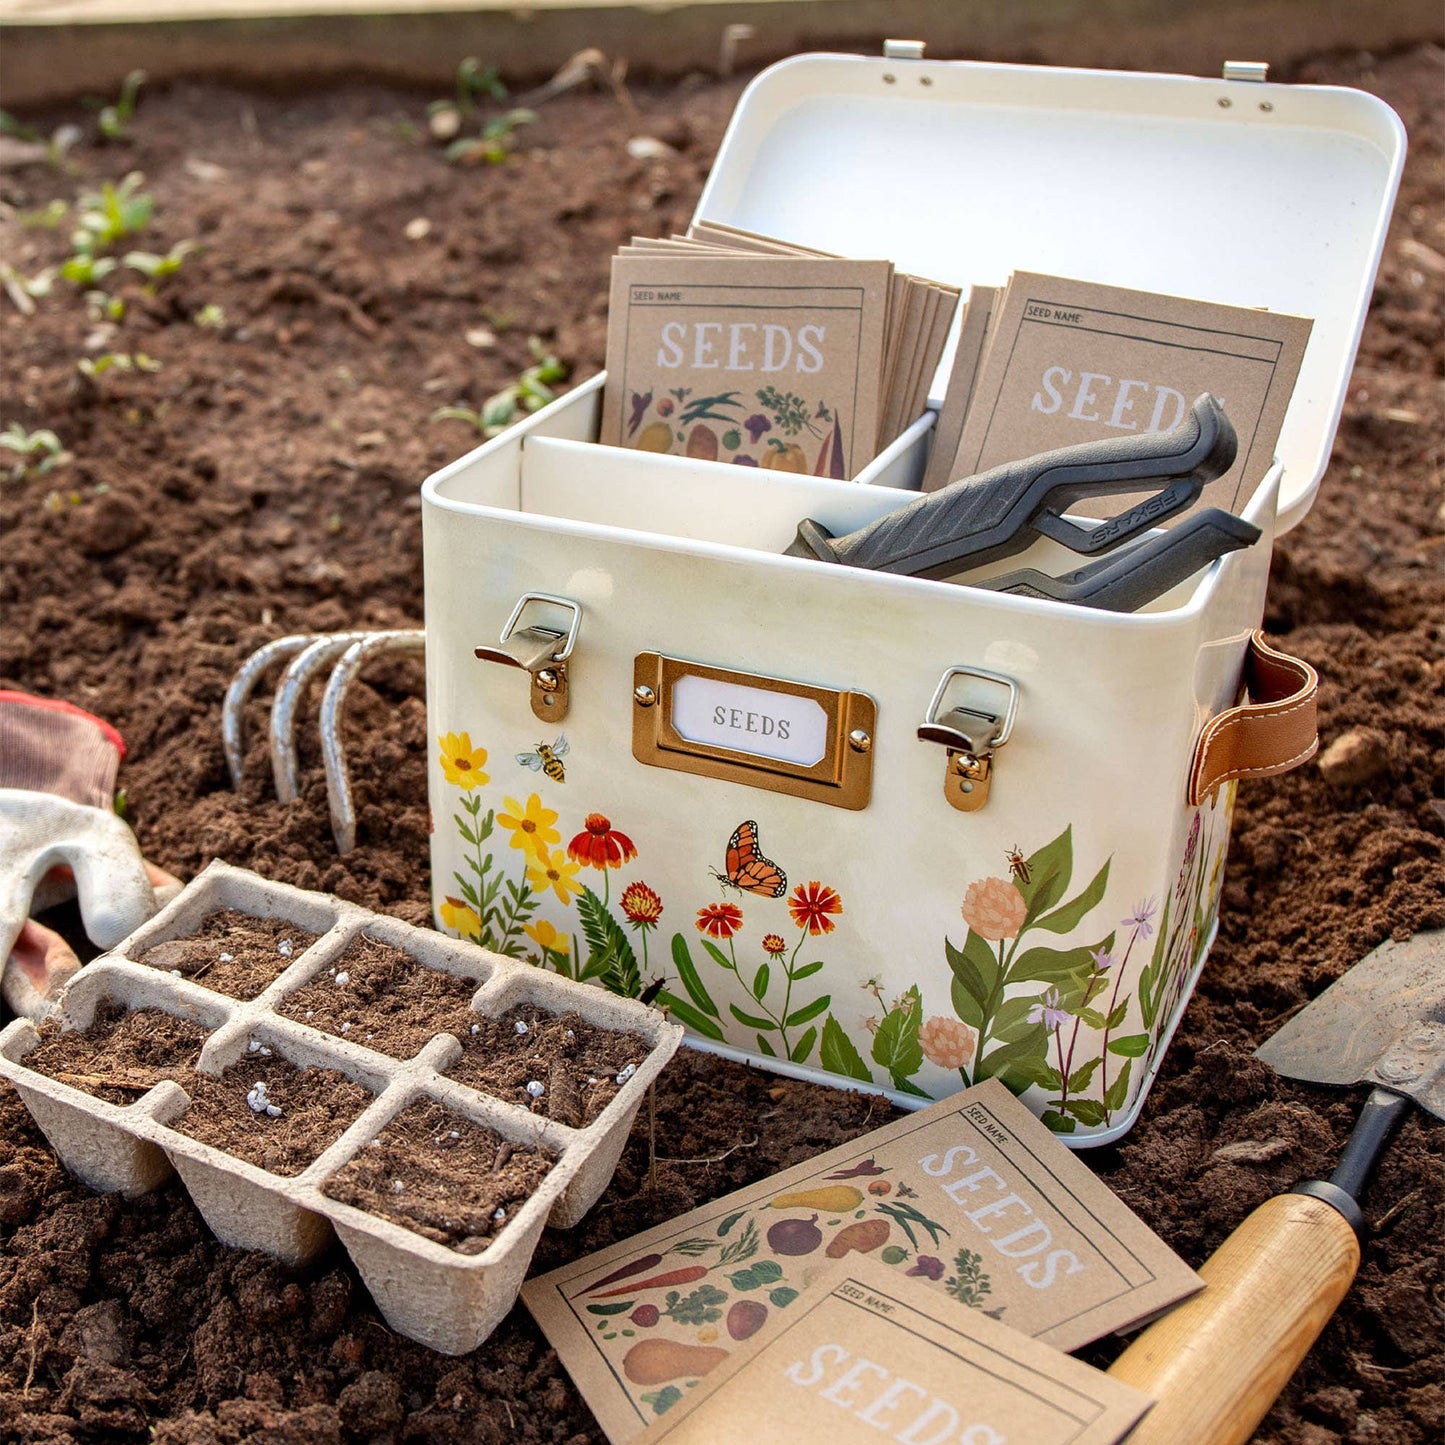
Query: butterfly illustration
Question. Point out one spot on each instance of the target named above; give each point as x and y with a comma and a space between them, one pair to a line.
747, 870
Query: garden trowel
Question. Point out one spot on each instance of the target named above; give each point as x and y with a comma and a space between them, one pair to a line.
1216, 1364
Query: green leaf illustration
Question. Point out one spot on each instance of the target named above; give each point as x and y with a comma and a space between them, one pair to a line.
691, 980
684, 1013
839, 1056
1052, 965
752, 1020
716, 954
1118, 1091
1087, 1111
975, 971
1151, 980
782, 1297
662, 1400
761, 980
1049, 872
896, 1045
1079, 1079
807, 970
1059, 1123
809, 1011
765, 1046
757, 1275
1131, 1046
1061, 920
800, 1050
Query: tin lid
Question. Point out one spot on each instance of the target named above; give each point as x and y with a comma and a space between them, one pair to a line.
1235, 191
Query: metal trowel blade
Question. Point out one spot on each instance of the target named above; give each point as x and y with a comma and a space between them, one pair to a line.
1382, 1023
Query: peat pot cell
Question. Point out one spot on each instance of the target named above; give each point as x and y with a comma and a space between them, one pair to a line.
232, 952
122, 1054
553, 1064
442, 1177
265, 1110
382, 997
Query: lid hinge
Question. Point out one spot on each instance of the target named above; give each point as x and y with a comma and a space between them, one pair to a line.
903, 49
1254, 71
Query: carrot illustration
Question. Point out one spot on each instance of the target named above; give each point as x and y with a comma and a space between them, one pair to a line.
637, 1266
673, 1277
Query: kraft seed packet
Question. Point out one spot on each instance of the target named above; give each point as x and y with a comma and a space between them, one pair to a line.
765, 361
972, 1199
1072, 361
866, 1355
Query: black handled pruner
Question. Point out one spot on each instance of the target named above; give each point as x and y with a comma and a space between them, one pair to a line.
1002, 511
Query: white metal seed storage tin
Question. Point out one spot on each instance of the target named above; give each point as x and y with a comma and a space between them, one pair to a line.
1053, 935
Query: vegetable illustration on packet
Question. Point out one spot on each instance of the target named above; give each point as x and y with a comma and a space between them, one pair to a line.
973, 1198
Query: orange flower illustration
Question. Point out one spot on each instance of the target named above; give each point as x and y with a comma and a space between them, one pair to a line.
600, 845
719, 920
641, 905
462, 764
949, 1043
994, 908
774, 943
812, 905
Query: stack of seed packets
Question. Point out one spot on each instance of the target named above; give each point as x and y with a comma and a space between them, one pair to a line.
971, 1229
1048, 362
727, 346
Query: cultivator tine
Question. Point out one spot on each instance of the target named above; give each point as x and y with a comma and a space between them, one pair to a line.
333, 704
234, 707
289, 693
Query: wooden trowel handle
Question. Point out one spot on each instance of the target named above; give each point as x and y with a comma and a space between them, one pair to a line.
1216, 1363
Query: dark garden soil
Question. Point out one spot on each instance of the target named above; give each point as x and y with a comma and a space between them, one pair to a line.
460, 1182
264, 481
122, 1054
232, 952
382, 997
552, 1064
316, 1108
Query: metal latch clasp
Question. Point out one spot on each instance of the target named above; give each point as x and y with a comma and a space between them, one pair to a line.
971, 734
541, 651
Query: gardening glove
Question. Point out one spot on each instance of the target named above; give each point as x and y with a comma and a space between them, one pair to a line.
59, 836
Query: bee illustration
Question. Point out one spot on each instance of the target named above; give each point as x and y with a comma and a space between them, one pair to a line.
547, 759
1017, 867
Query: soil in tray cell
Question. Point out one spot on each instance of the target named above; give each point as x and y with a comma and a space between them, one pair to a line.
382, 997
553, 1064
265, 1110
232, 952
122, 1054
443, 1177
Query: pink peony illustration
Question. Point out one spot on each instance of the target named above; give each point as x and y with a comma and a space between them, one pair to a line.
994, 908
949, 1043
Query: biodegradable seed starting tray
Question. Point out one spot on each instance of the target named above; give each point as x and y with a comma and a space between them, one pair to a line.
449, 1296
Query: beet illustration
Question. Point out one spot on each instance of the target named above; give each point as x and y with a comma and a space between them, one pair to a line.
645, 1315
795, 1236
746, 1318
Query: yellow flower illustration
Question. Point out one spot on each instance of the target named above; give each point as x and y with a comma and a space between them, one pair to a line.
461, 919
531, 827
546, 937
462, 763
545, 871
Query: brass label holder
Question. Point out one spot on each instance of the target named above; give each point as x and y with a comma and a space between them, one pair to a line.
971, 736
763, 732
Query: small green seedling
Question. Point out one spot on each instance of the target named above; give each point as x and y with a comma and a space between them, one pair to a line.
93, 368
156, 268
39, 451
86, 270
101, 306
115, 118
47, 218
474, 82
210, 317
24, 291
494, 144
530, 392
62, 138
112, 213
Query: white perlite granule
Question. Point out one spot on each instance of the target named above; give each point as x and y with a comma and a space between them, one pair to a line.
536, 1089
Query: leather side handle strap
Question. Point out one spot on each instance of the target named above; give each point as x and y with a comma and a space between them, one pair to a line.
1273, 731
